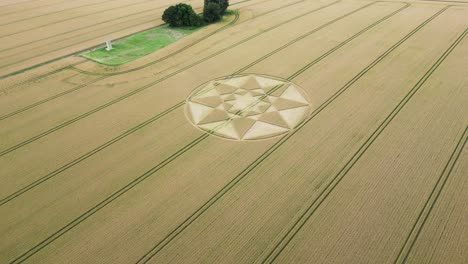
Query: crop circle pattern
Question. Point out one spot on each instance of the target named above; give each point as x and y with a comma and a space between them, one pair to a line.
247, 107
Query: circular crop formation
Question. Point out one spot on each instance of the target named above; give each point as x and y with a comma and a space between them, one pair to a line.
247, 107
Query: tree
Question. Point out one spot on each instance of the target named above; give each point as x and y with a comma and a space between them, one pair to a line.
195, 20
212, 12
223, 4
181, 15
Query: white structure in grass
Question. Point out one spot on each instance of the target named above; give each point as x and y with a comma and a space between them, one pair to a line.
247, 107
109, 45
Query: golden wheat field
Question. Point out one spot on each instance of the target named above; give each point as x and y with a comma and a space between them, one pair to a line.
293, 131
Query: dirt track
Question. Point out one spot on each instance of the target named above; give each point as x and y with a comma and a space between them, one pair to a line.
100, 164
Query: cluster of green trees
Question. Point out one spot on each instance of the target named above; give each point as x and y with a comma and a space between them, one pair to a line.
182, 15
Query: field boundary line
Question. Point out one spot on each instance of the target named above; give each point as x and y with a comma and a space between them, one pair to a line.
167, 111
149, 85
230, 185
315, 204
432, 200
114, 196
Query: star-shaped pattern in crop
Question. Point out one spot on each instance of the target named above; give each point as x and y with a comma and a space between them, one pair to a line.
247, 107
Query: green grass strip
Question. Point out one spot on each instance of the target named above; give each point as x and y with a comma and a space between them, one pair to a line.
138, 45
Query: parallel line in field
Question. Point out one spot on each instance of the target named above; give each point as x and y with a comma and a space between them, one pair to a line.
236, 180
315, 204
158, 116
432, 200
12, 22
70, 18
125, 96
54, 173
119, 192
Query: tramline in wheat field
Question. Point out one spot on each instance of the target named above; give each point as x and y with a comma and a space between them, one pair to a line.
269, 131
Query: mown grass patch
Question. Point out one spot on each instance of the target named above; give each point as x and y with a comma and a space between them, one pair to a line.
138, 45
